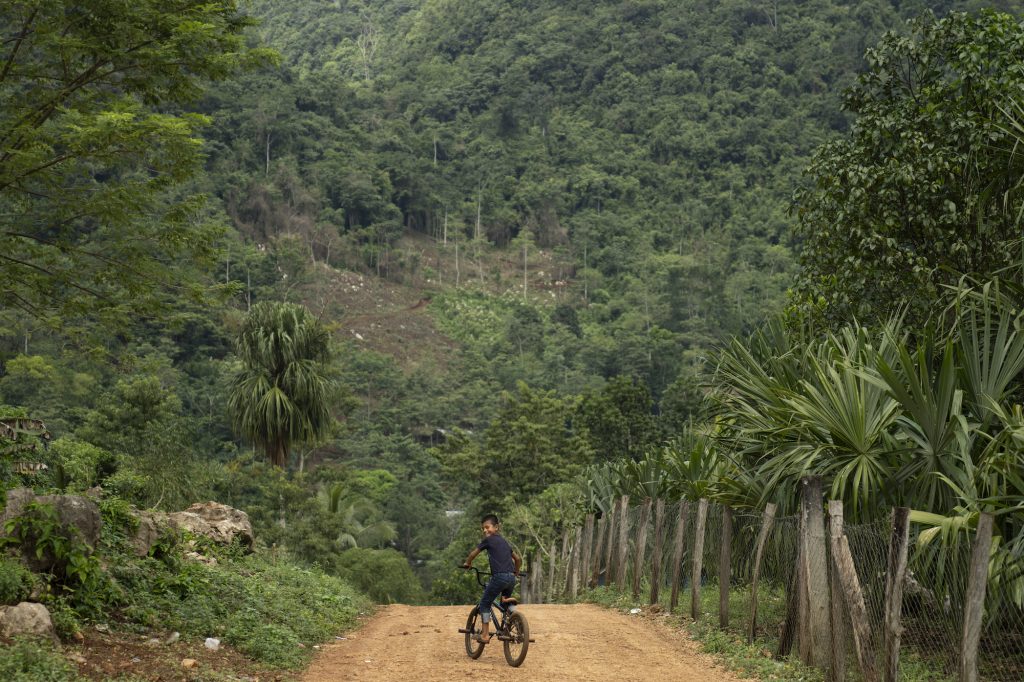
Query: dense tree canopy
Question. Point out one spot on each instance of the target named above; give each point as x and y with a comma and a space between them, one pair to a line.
921, 191
92, 147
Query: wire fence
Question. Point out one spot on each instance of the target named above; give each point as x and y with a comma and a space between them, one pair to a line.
835, 595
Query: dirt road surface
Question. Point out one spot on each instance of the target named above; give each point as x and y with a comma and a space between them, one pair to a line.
574, 643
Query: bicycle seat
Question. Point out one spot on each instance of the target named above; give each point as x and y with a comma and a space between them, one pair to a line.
509, 601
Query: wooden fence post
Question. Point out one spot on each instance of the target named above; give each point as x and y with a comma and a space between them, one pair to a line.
679, 544
551, 574
572, 580
894, 577
840, 631
698, 559
842, 559
767, 520
537, 579
974, 604
659, 528
794, 597
588, 546
620, 570
609, 555
725, 568
818, 626
641, 546
595, 570
563, 562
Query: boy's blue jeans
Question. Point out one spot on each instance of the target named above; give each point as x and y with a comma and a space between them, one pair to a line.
500, 583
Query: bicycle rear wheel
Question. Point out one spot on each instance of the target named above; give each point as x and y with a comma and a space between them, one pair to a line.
518, 641
473, 647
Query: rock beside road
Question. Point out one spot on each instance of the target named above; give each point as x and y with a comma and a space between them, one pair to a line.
26, 619
218, 522
78, 516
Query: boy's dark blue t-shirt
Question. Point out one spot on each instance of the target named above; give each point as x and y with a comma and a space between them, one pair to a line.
499, 554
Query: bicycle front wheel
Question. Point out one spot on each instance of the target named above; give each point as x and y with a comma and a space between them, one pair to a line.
518, 639
473, 647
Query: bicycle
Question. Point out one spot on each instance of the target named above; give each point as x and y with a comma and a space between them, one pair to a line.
510, 627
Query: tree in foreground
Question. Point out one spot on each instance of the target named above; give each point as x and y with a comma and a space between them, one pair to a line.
93, 149
920, 192
283, 392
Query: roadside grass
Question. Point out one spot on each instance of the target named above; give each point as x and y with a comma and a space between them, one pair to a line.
751, 660
268, 612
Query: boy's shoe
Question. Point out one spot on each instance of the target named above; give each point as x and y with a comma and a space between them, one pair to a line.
480, 638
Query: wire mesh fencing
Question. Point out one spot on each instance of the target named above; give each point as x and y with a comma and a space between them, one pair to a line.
853, 599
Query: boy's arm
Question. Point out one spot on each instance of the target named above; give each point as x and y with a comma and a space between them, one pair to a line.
516, 560
472, 555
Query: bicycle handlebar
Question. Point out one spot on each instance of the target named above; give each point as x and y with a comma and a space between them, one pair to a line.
481, 574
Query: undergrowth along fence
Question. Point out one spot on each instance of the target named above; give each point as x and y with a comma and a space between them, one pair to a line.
870, 601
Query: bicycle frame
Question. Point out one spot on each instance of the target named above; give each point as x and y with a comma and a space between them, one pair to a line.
510, 627
500, 626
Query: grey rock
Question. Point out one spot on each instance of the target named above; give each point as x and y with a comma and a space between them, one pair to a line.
79, 516
26, 619
151, 526
218, 522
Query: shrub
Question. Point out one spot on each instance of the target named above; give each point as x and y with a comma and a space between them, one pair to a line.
65, 619
15, 581
384, 574
33, 661
74, 570
264, 609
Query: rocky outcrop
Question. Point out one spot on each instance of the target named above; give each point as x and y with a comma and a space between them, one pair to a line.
78, 517
26, 619
74, 511
151, 526
219, 522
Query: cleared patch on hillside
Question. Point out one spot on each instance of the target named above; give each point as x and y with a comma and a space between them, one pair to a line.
389, 314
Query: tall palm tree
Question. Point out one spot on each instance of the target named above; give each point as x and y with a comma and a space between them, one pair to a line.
282, 394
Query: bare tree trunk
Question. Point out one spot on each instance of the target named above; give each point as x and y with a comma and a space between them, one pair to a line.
525, 251
458, 273
269, 135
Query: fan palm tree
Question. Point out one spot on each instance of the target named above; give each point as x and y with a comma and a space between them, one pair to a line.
282, 394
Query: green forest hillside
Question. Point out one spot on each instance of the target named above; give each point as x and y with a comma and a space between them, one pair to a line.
365, 269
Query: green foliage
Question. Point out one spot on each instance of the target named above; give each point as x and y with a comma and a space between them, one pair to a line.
618, 420
265, 608
80, 466
383, 574
86, 164
72, 566
16, 581
282, 394
919, 192
67, 621
34, 661
527, 447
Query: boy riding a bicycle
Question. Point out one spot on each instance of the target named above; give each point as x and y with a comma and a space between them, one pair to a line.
504, 570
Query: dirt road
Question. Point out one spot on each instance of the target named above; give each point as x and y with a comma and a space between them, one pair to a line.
575, 643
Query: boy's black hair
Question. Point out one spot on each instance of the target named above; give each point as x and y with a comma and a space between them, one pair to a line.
492, 518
